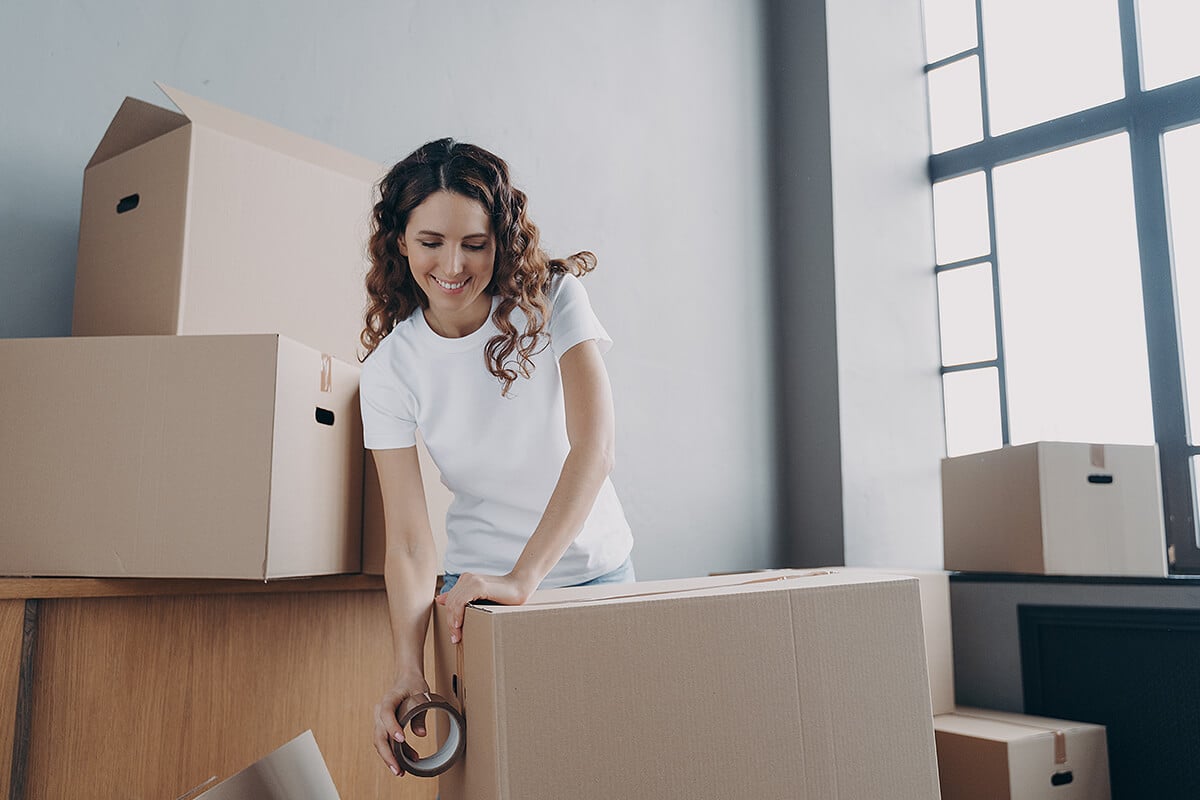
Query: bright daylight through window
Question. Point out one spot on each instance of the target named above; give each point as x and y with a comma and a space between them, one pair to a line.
1065, 138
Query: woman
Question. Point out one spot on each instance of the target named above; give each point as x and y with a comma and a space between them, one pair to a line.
491, 350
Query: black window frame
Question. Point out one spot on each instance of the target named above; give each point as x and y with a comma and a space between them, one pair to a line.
1145, 115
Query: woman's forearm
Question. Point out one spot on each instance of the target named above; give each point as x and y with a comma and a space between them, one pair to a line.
410, 576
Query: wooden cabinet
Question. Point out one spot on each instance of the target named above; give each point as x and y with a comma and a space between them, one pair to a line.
146, 688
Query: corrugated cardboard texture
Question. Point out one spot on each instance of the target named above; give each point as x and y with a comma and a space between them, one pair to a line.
993, 755
153, 457
813, 687
991, 513
273, 239
1102, 528
127, 278
309, 501
935, 622
1033, 509
295, 771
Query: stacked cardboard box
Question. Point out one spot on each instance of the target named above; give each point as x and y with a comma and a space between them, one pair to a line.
1055, 508
202, 421
992, 755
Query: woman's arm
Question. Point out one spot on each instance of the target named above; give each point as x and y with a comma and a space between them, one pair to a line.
409, 572
587, 397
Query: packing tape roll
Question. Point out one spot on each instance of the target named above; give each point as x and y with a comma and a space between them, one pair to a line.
450, 751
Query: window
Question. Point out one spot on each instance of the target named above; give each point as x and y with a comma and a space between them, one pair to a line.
1066, 182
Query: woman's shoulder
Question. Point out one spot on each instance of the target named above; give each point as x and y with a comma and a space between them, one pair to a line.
393, 348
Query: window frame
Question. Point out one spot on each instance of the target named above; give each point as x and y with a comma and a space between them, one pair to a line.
1145, 115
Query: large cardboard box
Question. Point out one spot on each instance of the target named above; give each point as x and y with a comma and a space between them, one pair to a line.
1055, 508
178, 456
210, 221
295, 771
993, 755
935, 622
776, 685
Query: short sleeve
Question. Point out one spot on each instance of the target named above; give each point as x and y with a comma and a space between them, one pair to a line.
388, 413
571, 317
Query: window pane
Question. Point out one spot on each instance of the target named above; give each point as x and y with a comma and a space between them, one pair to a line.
972, 399
1047, 58
1181, 152
1167, 30
949, 28
1194, 463
967, 316
955, 116
960, 221
1071, 297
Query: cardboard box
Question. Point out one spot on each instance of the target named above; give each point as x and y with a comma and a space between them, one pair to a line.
993, 755
935, 622
295, 771
211, 222
178, 457
1055, 508
767, 685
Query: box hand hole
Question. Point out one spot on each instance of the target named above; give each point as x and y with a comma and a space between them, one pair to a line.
1061, 778
128, 203
1100, 478
324, 416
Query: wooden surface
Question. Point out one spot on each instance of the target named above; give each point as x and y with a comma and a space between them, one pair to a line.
22, 588
148, 696
12, 624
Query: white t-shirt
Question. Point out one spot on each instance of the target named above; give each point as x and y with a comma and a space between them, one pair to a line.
500, 456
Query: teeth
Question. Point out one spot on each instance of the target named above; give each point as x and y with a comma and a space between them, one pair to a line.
450, 286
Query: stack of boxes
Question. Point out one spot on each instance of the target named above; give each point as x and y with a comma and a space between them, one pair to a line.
1045, 508
203, 420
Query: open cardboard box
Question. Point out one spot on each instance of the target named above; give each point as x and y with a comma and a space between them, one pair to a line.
210, 221
771, 685
296, 771
178, 457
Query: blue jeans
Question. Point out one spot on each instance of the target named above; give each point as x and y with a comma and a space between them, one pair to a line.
622, 574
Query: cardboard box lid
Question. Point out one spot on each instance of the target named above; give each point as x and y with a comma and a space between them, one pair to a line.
137, 122
296, 771
547, 600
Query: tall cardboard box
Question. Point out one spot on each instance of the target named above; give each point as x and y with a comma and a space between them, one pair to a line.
993, 755
767, 685
178, 457
1055, 508
210, 221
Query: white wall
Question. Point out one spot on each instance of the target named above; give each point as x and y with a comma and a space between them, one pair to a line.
861, 413
889, 384
636, 128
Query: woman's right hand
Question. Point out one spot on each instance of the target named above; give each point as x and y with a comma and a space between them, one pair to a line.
387, 727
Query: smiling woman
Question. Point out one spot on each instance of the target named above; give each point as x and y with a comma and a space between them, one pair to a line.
491, 350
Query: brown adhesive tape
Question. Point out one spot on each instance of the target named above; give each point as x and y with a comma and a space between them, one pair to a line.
450, 751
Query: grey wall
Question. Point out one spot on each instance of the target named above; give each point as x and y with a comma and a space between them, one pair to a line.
636, 128
857, 313
987, 645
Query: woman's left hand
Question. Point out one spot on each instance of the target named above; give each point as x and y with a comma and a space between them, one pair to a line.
508, 590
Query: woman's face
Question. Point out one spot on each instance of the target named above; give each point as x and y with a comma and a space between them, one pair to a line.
452, 254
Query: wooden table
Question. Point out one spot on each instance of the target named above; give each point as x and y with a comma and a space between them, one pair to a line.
146, 688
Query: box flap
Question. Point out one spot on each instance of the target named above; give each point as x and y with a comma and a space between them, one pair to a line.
135, 123
549, 599
295, 771
241, 126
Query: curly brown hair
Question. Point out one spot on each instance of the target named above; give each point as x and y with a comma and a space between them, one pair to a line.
521, 274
